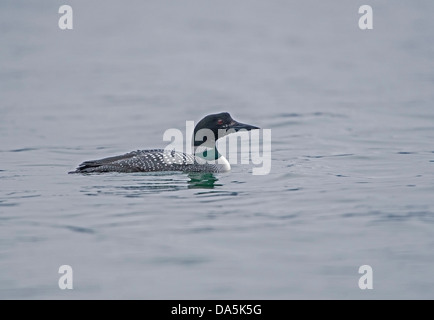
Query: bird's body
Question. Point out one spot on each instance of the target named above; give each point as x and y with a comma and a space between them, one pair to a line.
151, 161
205, 158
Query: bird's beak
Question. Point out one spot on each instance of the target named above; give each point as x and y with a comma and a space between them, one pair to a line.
237, 126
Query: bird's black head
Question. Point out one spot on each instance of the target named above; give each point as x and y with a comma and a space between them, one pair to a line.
220, 124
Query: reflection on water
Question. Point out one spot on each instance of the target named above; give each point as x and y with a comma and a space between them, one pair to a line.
135, 185
202, 181
149, 183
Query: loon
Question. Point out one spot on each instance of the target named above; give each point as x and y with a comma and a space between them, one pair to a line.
206, 158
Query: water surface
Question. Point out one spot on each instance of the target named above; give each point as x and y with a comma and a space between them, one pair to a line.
352, 177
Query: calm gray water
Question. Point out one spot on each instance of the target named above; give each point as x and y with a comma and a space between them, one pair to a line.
352, 178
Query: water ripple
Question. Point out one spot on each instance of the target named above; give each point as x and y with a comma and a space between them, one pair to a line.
79, 229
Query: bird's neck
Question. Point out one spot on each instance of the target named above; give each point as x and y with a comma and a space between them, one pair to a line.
207, 153
206, 148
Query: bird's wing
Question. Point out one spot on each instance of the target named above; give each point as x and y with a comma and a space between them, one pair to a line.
139, 161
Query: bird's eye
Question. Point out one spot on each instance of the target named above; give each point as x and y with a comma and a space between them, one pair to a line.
219, 121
